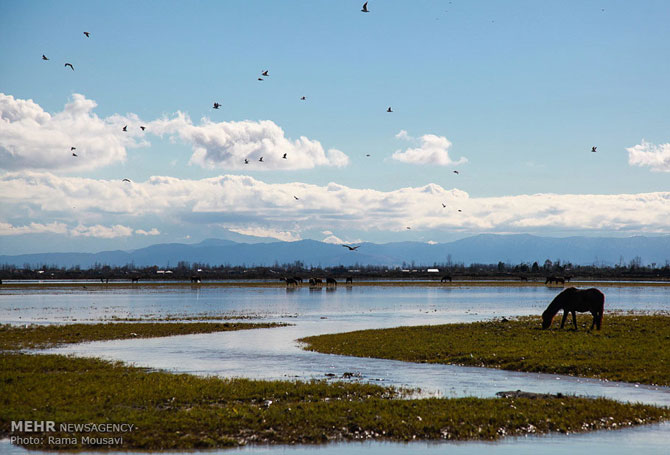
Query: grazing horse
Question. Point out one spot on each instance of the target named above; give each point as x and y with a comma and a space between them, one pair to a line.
195, 279
445, 278
350, 280
554, 279
330, 281
134, 280
298, 279
290, 282
572, 300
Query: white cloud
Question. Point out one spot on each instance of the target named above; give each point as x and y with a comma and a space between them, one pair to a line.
33, 228
257, 231
153, 231
333, 239
433, 150
647, 154
102, 232
258, 208
228, 144
31, 138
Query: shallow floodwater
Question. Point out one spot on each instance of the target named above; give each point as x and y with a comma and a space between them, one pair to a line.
275, 354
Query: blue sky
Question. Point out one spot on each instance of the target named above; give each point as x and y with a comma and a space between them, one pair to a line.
513, 95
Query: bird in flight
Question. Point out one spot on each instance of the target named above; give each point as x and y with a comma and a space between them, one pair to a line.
73, 148
217, 105
88, 35
303, 98
409, 227
260, 159
389, 109
246, 161
44, 57
125, 128
284, 156
365, 8
352, 248
260, 79
593, 149
296, 198
74, 154
456, 172
444, 206
70, 65
126, 180
143, 128
265, 73
367, 154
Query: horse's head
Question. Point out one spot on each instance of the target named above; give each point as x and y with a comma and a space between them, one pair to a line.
547, 317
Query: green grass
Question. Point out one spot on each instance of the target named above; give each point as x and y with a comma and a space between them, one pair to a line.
44, 336
180, 411
631, 348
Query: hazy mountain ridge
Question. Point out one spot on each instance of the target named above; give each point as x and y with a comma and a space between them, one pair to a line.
486, 249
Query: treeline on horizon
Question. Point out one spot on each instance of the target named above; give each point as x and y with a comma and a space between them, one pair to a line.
185, 271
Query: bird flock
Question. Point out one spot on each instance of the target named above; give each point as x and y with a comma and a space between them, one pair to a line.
262, 77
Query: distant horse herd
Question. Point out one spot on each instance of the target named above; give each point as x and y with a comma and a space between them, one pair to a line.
314, 282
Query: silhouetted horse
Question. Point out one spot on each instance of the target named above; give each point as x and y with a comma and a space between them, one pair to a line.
330, 281
350, 280
572, 300
445, 278
554, 279
297, 279
195, 279
290, 282
135, 280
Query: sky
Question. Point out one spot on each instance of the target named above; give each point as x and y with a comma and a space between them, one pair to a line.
495, 108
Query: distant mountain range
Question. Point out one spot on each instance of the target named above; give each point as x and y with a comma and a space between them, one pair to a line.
484, 249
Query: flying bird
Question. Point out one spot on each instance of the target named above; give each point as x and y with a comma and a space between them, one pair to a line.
265, 73
143, 128
303, 98
70, 65
444, 206
73, 148
456, 172
88, 35
352, 248
389, 109
284, 156
365, 8
593, 149
260, 79
367, 154
44, 57
126, 180
260, 159
246, 161
460, 210
217, 105
74, 154
296, 198
408, 227
125, 128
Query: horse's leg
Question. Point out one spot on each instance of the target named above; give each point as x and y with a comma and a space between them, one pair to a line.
565, 316
595, 315
574, 318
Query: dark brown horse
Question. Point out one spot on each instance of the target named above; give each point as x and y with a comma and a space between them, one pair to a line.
572, 300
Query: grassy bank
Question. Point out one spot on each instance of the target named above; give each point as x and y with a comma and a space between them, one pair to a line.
631, 348
179, 411
45, 336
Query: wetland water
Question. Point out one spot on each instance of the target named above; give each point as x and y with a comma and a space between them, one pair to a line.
274, 353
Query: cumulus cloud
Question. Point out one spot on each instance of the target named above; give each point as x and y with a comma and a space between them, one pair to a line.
257, 231
432, 150
102, 232
31, 138
153, 231
228, 144
254, 207
33, 228
657, 157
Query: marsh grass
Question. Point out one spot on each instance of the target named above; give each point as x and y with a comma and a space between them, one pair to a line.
180, 411
45, 336
631, 348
